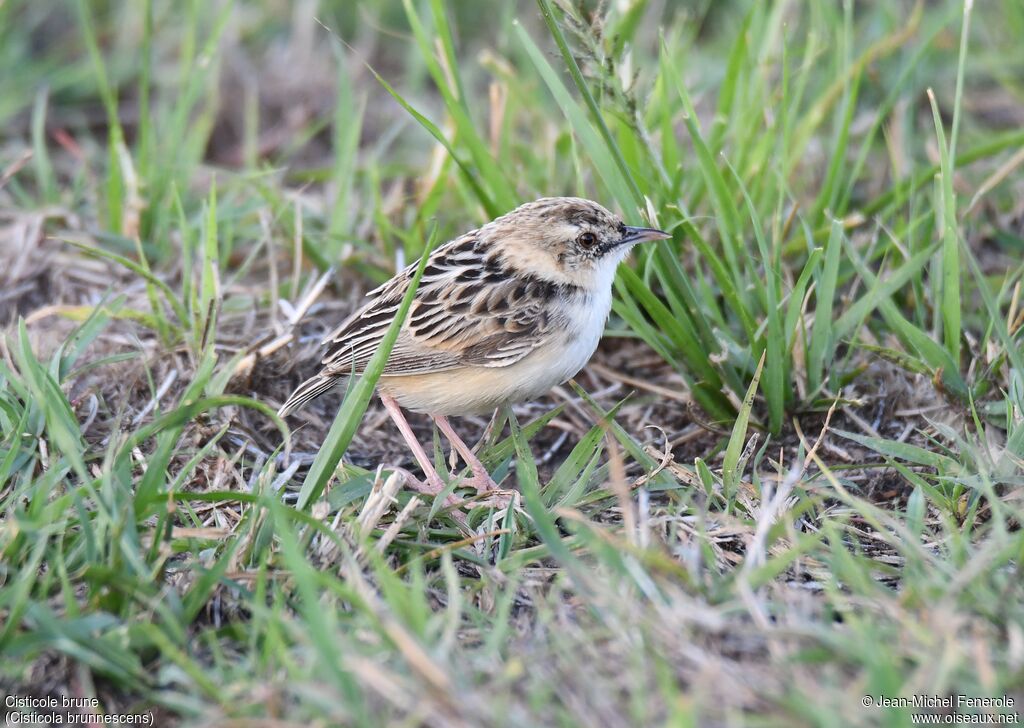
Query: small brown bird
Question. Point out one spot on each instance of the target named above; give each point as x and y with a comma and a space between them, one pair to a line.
502, 314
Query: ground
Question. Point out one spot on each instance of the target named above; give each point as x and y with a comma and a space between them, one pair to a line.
787, 489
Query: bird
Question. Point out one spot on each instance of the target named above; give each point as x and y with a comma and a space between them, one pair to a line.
501, 315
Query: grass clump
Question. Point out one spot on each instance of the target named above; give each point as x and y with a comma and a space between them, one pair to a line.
790, 479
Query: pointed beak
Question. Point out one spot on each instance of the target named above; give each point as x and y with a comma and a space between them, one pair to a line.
643, 235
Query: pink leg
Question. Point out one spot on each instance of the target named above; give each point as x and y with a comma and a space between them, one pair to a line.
481, 478
434, 484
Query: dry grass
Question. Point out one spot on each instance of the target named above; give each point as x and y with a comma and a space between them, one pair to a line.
665, 564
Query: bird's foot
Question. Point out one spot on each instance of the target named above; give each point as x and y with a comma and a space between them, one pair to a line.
488, 494
432, 486
482, 481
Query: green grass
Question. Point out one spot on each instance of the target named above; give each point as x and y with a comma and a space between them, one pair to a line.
191, 194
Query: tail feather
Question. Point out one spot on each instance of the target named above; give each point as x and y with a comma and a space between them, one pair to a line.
306, 392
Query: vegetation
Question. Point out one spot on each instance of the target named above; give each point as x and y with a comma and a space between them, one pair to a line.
791, 478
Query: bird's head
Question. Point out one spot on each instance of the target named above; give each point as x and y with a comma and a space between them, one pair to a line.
566, 239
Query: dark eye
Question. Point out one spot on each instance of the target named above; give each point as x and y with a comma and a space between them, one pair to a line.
587, 240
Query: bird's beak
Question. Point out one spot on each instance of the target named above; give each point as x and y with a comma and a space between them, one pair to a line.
642, 235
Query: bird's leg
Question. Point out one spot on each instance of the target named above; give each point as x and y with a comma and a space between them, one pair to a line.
481, 480
433, 484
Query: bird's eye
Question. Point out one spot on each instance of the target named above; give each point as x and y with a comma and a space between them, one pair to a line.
587, 240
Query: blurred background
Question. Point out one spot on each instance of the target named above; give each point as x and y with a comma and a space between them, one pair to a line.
811, 492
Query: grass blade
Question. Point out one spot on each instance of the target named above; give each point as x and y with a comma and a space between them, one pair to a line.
358, 396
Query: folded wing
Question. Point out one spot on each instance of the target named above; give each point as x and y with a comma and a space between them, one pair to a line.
469, 310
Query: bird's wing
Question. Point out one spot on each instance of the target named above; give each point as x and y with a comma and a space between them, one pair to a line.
468, 311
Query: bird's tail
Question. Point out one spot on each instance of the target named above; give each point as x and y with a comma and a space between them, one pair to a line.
306, 392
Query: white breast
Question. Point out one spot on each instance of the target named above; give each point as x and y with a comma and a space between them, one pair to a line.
589, 316
479, 390
569, 351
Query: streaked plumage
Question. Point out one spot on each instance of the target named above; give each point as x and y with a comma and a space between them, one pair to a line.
502, 313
